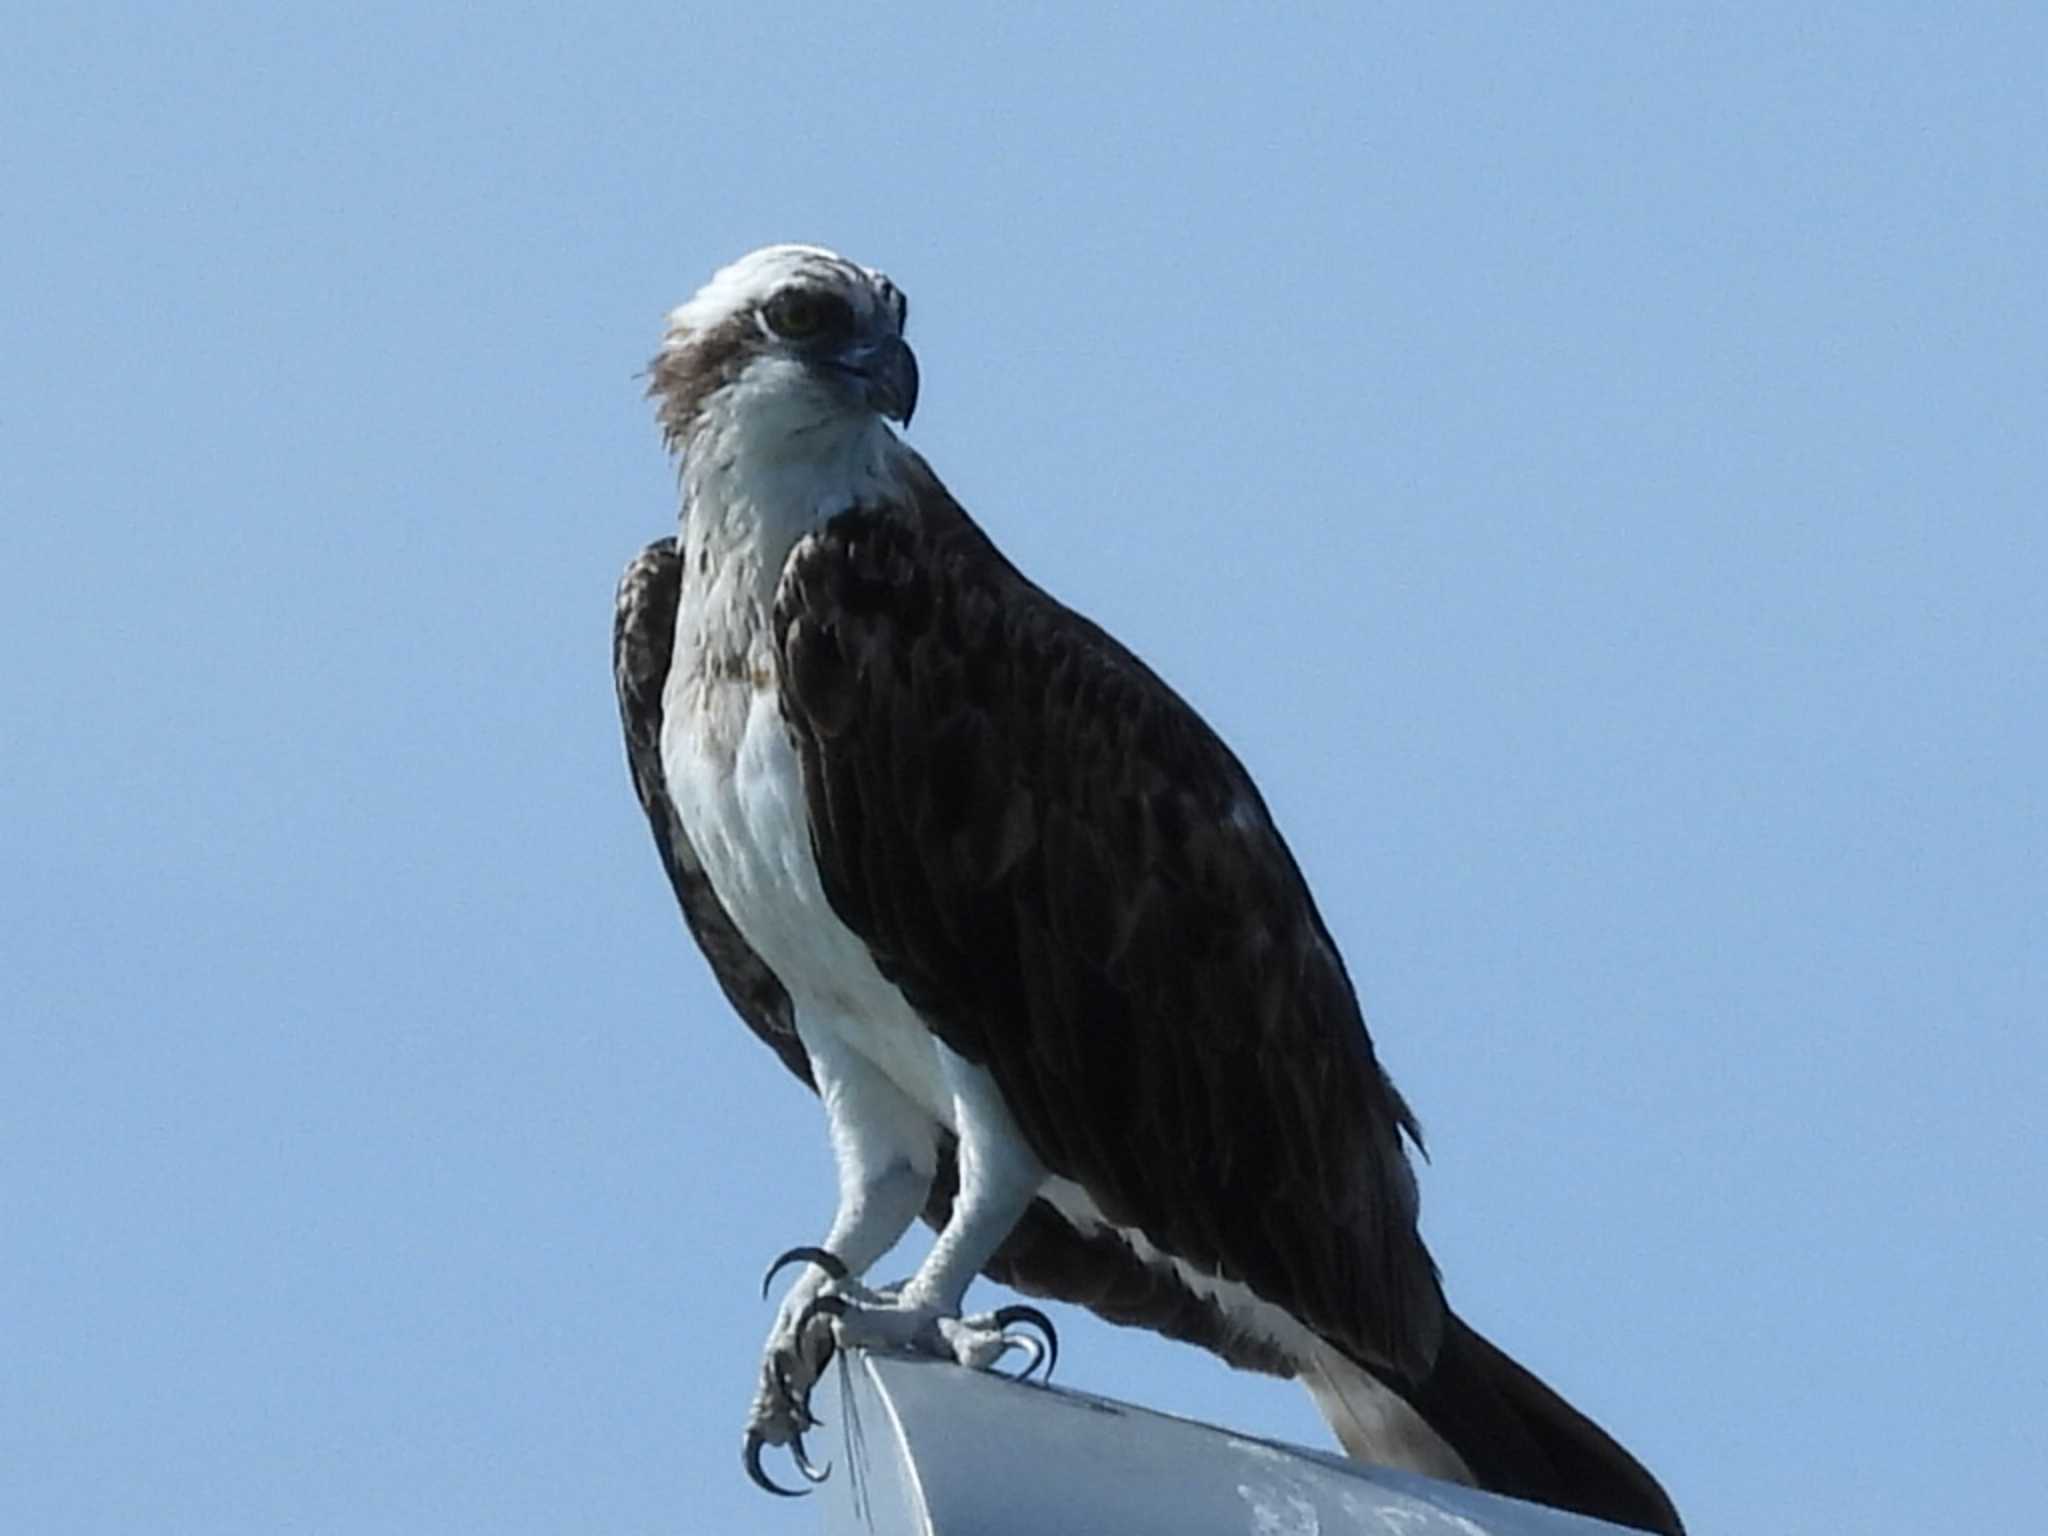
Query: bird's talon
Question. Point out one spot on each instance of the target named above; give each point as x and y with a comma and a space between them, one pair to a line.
750, 1457
1030, 1345
827, 1303
785, 1395
1009, 1317
813, 1475
824, 1258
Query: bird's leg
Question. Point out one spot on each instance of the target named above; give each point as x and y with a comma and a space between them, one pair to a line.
872, 1215
999, 1176
883, 1145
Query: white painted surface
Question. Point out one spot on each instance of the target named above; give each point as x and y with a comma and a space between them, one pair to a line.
927, 1449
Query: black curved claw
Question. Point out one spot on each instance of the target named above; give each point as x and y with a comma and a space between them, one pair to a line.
750, 1458
812, 1475
1007, 1318
1034, 1356
824, 1258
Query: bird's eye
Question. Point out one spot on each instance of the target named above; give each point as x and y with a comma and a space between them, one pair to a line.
798, 313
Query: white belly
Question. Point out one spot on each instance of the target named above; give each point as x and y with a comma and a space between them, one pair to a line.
737, 786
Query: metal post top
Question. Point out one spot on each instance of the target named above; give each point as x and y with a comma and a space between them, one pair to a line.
930, 1449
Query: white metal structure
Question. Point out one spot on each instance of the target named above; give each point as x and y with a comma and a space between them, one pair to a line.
929, 1449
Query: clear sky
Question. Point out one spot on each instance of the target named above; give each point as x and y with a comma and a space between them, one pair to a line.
1590, 461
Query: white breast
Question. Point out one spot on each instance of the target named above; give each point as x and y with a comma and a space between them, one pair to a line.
738, 789
762, 470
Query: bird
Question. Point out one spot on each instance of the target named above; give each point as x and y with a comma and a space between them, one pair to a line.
987, 884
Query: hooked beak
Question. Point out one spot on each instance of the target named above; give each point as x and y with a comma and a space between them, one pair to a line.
887, 371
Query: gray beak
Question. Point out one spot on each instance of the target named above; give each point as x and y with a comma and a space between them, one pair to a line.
887, 370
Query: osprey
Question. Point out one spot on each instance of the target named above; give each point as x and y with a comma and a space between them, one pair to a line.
1023, 921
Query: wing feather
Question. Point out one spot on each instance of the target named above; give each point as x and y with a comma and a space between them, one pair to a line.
1044, 1256
1078, 886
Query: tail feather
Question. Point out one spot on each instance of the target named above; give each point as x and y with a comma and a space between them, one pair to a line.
1374, 1423
1483, 1419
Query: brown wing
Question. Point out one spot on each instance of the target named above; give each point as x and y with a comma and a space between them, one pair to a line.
1077, 885
1044, 1256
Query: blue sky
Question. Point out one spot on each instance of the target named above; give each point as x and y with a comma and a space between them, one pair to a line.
1589, 461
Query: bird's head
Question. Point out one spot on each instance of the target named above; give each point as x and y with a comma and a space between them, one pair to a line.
802, 337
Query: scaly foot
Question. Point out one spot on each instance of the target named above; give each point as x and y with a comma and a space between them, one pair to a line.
828, 1309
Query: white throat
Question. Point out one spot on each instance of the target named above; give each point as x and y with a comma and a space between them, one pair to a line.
769, 460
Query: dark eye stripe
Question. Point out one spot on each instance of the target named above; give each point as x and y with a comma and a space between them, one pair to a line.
799, 313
